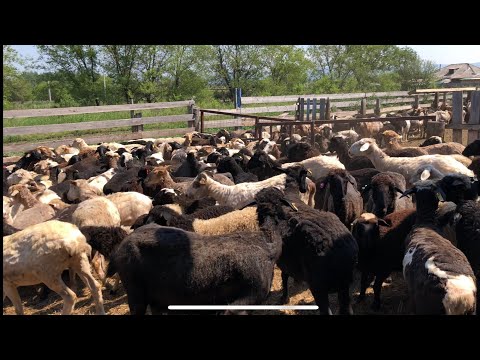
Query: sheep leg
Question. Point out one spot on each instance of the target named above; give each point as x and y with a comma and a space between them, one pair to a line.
377, 289
365, 280
83, 270
68, 296
345, 308
11, 292
98, 264
321, 299
72, 281
284, 298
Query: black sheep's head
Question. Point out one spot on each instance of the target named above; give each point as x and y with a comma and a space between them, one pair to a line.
270, 202
339, 180
472, 149
366, 230
458, 187
223, 151
428, 194
298, 175
384, 194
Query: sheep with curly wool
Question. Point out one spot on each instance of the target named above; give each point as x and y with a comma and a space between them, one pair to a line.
404, 165
131, 205
439, 277
39, 254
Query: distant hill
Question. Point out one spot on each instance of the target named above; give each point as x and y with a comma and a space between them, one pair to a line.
443, 65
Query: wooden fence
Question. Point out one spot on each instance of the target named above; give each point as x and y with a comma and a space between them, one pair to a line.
136, 121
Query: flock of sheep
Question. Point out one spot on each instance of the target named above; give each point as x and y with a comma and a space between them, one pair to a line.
205, 219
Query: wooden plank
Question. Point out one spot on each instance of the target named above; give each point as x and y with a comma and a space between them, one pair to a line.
475, 110
377, 107
88, 125
293, 98
308, 109
473, 135
314, 113
92, 109
425, 91
457, 104
323, 105
363, 106
224, 123
302, 109
463, 126
97, 139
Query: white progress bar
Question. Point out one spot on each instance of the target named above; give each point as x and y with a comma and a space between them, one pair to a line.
243, 307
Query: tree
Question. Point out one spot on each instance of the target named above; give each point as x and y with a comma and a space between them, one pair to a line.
237, 66
80, 67
413, 71
152, 63
121, 62
15, 87
286, 69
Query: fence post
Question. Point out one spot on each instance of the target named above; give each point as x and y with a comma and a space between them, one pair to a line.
257, 131
322, 109
196, 118
297, 110
190, 110
308, 109
377, 107
202, 121
327, 110
417, 102
474, 134
363, 107
435, 101
302, 110
137, 128
457, 105
314, 113
444, 99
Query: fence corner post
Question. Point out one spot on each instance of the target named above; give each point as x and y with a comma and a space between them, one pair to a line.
196, 118
363, 107
377, 107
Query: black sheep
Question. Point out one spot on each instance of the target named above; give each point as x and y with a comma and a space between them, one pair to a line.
161, 266
189, 168
300, 151
340, 147
432, 140
317, 248
382, 193
127, 180
472, 149
263, 166
381, 244
228, 164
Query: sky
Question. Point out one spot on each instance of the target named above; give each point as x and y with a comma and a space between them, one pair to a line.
440, 54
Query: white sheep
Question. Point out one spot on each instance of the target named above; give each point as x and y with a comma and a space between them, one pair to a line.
39, 254
237, 195
407, 166
319, 166
99, 181
131, 205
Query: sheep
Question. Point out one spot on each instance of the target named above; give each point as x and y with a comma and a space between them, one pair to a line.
381, 244
166, 216
393, 148
237, 195
338, 194
20, 176
439, 278
131, 205
340, 147
405, 166
384, 193
30, 158
34, 212
432, 140
317, 247
101, 180
81, 190
229, 164
448, 148
261, 165
466, 218
472, 149
191, 167
98, 211
370, 129
160, 266
319, 166
475, 166
350, 136
301, 151
426, 172
39, 254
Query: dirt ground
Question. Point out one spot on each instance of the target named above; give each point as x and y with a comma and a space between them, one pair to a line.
394, 297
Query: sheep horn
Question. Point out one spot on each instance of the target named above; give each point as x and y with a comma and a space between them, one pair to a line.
408, 192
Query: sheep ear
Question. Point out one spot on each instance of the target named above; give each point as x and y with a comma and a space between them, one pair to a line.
203, 179
289, 203
425, 175
383, 223
408, 192
365, 147
456, 218
367, 188
398, 190
351, 180
14, 192
440, 194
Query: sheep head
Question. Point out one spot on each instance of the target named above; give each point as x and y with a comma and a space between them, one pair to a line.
363, 147
366, 230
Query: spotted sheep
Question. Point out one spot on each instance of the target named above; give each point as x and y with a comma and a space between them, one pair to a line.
439, 277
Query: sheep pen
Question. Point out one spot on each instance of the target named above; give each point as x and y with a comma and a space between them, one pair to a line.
394, 296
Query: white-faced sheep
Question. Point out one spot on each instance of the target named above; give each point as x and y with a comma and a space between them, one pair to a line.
405, 166
439, 277
39, 254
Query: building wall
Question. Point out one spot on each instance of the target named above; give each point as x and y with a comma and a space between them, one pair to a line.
464, 83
